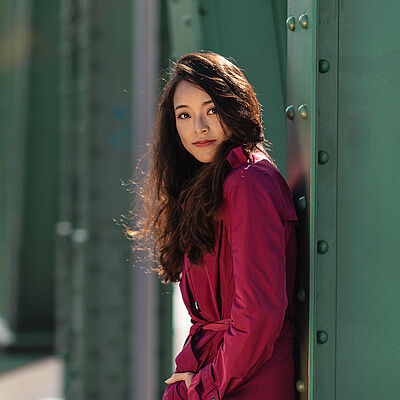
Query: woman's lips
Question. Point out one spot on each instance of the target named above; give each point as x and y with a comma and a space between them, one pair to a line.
203, 143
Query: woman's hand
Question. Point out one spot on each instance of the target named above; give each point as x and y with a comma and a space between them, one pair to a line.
182, 376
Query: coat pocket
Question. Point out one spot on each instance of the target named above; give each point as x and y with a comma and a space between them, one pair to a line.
186, 360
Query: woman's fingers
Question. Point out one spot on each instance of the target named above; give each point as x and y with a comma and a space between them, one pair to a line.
181, 376
176, 377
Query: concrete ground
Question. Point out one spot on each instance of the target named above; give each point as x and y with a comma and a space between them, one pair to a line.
39, 380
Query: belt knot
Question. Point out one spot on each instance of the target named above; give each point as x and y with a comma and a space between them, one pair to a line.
219, 325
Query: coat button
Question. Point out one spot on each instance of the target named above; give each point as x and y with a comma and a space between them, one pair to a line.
196, 305
212, 397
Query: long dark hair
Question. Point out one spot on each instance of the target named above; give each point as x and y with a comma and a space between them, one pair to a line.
182, 196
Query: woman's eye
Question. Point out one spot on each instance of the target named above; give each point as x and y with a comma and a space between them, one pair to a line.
213, 109
180, 115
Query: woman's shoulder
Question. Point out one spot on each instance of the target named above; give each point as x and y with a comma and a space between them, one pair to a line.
253, 178
253, 174
260, 178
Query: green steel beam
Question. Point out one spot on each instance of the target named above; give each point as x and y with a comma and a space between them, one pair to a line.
343, 160
367, 313
35, 296
14, 80
301, 166
29, 97
326, 289
92, 269
183, 30
72, 227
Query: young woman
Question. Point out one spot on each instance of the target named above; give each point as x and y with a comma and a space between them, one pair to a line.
224, 224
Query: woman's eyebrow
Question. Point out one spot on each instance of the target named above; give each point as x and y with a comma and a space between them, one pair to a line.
183, 105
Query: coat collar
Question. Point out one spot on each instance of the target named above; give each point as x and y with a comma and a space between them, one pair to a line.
238, 156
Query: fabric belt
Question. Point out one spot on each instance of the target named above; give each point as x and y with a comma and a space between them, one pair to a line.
219, 325
223, 324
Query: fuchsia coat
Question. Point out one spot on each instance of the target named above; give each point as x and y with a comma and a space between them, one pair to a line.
241, 299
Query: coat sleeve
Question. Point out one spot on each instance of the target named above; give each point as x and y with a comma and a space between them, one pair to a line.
176, 391
260, 300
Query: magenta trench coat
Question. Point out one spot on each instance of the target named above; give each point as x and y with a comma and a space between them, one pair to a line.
240, 299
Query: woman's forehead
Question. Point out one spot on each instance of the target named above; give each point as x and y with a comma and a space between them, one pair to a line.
188, 91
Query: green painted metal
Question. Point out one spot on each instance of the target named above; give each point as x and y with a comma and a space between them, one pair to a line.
368, 217
257, 43
301, 177
93, 275
72, 228
14, 82
36, 296
343, 159
326, 290
183, 31
29, 100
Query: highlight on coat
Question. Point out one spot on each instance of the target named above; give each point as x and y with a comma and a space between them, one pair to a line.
180, 195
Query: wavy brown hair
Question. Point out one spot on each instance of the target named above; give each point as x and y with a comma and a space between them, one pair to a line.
182, 195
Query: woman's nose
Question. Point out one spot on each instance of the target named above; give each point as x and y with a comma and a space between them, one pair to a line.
200, 125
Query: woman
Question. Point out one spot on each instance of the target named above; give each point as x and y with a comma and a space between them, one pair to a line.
224, 224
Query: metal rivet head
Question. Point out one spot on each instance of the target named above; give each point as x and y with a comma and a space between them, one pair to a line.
290, 23
301, 295
63, 228
202, 11
187, 20
302, 203
303, 19
80, 235
324, 66
300, 386
322, 337
290, 112
303, 111
323, 157
322, 246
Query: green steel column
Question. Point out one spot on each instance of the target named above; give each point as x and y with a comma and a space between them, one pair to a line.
326, 295
107, 313
15, 30
63, 228
343, 158
35, 296
93, 272
368, 216
301, 114
30, 96
183, 32
72, 227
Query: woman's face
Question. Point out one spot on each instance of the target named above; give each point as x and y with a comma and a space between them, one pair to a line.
196, 121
